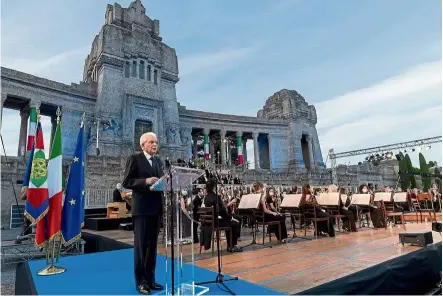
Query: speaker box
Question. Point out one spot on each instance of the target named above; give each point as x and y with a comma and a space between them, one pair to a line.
418, 238
436, 226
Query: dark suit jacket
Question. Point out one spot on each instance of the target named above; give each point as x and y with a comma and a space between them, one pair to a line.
210, 201
144, 201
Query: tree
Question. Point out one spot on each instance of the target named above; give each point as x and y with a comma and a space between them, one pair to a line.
424, 168
410, 168
405, 181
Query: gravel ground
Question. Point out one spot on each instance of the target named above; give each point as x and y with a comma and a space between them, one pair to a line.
8, 279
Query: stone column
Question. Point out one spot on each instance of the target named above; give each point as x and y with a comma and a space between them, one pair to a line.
194, 147
1, 111
269, 150
311, 156
256, 151
229, 156
245, 152
223, 147
24, 114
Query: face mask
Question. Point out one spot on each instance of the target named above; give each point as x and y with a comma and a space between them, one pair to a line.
365, 190
184, 193
271, 193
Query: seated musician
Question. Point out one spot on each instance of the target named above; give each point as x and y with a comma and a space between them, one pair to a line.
344, 210
269, 205
374, 210
225, 220
322, 226
117, 196
196, 205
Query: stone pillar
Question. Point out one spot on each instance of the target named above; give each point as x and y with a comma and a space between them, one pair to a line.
311, 155
229, 156
194, 147
269, 151
223, 147
1, 111
256, 151
245, 152
24, 114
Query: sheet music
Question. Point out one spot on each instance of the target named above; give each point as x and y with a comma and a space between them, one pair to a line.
291, 201
250, 201
361, 199
383, 196
400, 197
328, 199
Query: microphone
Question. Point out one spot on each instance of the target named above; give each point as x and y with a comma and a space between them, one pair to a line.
167, 163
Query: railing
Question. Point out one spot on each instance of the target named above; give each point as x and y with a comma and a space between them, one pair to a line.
98, 198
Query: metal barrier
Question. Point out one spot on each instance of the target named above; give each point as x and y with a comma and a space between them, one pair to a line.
98, 198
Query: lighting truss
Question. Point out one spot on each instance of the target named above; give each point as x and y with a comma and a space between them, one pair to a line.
386, 148
380, 149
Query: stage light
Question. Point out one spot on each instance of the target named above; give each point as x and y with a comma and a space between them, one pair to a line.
428, 147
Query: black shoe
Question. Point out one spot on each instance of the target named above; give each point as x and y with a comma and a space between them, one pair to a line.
144, 289
156, 286
235, 249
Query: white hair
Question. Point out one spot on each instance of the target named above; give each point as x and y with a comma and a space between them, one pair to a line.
145, 135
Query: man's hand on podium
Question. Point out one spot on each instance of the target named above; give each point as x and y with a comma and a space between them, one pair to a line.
151, 180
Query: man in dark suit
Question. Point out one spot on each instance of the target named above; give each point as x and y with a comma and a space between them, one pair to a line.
211, 200
142, 170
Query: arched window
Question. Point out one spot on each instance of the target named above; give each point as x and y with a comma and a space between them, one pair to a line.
141, 127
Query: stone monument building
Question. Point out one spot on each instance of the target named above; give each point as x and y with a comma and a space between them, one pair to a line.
129, 88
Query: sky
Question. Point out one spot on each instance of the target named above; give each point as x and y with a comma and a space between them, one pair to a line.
372, 68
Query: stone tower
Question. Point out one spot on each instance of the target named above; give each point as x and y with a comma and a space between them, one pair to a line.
135, 73
303, 147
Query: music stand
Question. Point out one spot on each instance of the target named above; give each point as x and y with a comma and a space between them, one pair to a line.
251, 202
171, 184
291, 202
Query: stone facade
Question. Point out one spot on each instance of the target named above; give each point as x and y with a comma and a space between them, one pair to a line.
129, 85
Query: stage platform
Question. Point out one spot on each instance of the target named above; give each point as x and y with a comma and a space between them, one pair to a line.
102, 223
112, 273
303, 264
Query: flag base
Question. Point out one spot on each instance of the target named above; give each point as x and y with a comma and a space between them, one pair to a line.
51, 270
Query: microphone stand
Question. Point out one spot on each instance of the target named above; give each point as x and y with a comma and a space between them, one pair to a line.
220, 277
171, 225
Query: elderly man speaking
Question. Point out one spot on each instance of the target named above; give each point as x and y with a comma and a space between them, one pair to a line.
142, 170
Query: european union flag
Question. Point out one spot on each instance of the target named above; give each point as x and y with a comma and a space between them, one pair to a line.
73, 213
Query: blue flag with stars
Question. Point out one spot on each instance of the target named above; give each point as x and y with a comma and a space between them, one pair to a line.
73, 213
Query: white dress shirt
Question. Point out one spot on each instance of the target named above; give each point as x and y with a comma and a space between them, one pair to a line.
148, 157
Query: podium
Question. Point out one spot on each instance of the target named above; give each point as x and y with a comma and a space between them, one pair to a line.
171, 183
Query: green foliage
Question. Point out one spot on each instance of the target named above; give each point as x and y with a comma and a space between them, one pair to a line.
405, 181
424, 168
410, 168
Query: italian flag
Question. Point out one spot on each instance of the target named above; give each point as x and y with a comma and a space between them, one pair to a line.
38, 190
239, 150
55, 185
206, 145
32, 128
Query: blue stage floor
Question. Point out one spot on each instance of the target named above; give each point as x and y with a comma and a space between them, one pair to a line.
112, 273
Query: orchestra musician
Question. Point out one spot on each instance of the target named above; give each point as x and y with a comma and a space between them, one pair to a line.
225, 220
344, 210
322, 226
374, 210
268, 204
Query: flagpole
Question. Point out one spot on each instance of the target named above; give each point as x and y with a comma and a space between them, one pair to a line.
52, 269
